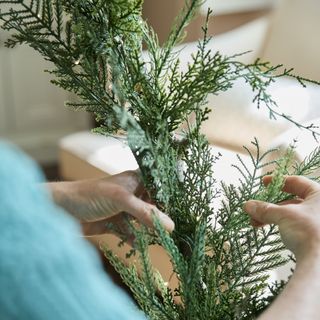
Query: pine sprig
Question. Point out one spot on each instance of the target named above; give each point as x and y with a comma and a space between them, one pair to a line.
177, 33
309, 165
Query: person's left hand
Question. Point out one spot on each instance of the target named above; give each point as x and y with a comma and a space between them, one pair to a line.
298, 219
97, 203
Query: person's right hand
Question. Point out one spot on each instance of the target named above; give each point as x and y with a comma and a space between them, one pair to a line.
298, 219
104, 205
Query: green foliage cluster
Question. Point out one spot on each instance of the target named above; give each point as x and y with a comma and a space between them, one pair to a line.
222, 263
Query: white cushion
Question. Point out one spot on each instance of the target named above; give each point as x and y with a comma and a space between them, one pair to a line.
108, 154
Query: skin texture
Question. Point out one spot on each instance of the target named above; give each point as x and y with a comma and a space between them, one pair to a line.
98, 202
299, 224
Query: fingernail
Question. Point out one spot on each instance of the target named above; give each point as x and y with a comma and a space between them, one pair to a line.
166, 221
250, 207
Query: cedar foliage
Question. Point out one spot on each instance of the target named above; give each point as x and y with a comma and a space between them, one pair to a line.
222, 263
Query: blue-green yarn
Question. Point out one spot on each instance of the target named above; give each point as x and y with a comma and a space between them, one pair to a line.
47, 271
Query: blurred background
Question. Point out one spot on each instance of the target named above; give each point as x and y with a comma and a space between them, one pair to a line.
33, 115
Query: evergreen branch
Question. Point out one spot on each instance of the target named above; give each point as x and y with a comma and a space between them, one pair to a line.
195, 271
179, 263
255, 244
148, 277
147, 270
175, 35
309, 165
221, 262
166, 295
128, 274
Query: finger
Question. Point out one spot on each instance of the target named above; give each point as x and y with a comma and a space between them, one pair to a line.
264, 212
130, 180
102, 226
291, 201
300, 186
121, 228
144, 211
297, 185
266, 179
118, 224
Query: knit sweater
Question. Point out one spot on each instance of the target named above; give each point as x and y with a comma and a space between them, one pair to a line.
47, 271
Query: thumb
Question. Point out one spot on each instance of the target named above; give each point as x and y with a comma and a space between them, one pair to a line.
264, 212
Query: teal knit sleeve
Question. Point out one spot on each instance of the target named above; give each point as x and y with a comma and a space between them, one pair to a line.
47, 271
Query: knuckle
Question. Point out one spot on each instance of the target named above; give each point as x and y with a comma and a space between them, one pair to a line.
118, 192
265, 208
131, 174
120, 196
262, 210
146, 213
151, 208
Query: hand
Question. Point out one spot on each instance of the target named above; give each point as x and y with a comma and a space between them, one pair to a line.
298, 219
99, 202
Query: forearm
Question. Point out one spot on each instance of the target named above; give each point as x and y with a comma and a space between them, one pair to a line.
300, 298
